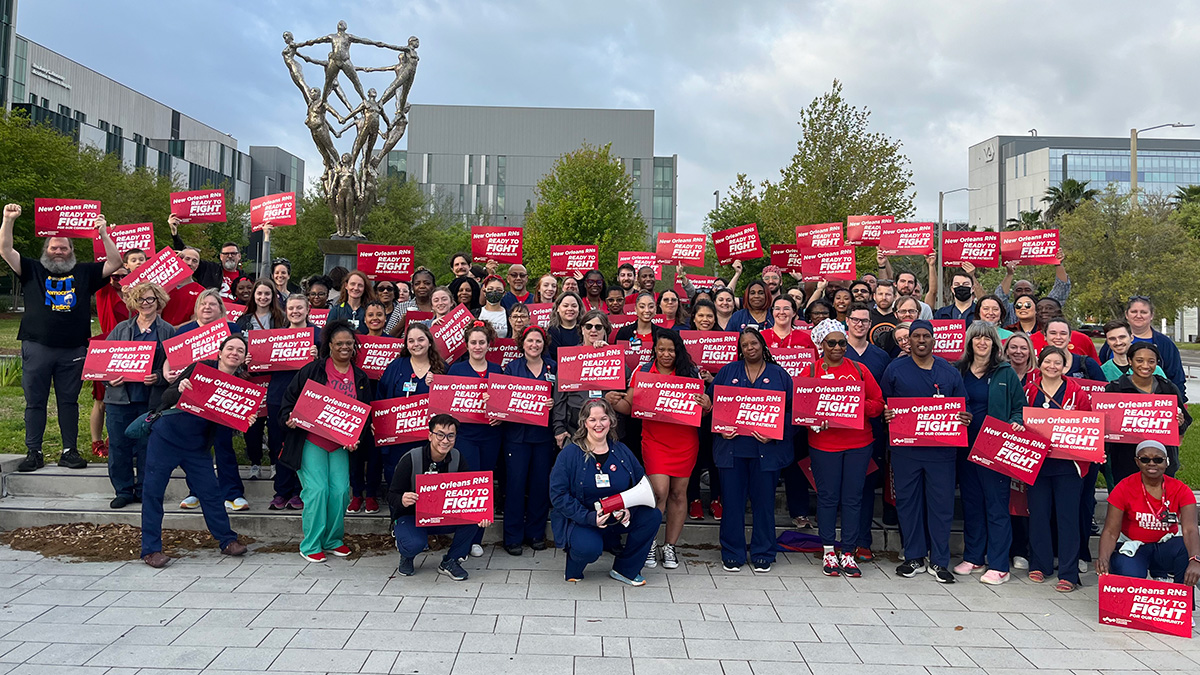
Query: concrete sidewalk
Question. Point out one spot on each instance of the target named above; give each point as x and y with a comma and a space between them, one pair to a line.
276, 613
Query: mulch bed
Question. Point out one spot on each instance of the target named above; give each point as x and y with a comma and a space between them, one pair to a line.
89, 542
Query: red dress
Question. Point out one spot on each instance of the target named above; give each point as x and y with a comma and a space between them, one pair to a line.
668, 449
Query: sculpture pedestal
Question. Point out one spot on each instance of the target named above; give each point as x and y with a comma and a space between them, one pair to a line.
340, 251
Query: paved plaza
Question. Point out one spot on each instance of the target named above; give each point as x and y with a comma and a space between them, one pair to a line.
273, 612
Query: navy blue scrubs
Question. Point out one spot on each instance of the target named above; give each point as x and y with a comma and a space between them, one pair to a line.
924, 476
876, 360
398, 380
528, 455
478, 443
1056, 494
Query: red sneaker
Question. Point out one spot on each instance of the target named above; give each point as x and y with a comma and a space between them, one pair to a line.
716, 509
317, 557
829, 565
100, 449
863, 554
341, 551
696, 510
371, 505
356, 505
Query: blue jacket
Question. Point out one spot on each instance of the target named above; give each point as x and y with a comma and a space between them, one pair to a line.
773, 455
477, 433
573, 491
529, 433
742, 318
1171, 364
355, 316
391, 383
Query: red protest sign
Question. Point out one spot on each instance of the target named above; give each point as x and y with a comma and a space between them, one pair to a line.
448, 333
127, 238
271, 351
565, 261
463, 498
619, 321
839, 402
233, 311
461, 397
906, 239
521, 400
333, 416
927, 422
737, 243
277, 209
949, 338
375, 354
825, 235
680, 249
981, 249
198, 345
795, 360
1073, 434
502, 244
400, 420
865, 230
710, 349
829, 263
1090, 386
318, 317
1143, 604
386, 263
591, 368
745, 411
539, 313
1030, 247
221, 398
637, 353
1016, 454
199, 206
65, 217
504, 350
1018, 499
667, 398
109, 359
1133, 418
165, 269
787, 258
640, 259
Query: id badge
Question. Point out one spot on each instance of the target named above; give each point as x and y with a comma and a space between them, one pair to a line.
410, 386
635, 343
595, 393
550, 377
602, 480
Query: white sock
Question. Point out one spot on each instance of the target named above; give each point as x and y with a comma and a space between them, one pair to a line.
828, 549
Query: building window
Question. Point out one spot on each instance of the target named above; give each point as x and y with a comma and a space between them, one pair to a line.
487, 170
139, 155
64, 110
46, 103
501, 169
429, 167
175, 125
637, 173
500, 199
470, 169
19, 68
118, 131
462, 198
80, 117
174, 148
103, 126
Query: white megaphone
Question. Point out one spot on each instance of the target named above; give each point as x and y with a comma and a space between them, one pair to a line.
638, 495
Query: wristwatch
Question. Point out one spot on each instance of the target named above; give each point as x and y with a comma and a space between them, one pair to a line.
1195, 558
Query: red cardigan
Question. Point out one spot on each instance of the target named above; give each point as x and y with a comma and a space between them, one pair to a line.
838, 440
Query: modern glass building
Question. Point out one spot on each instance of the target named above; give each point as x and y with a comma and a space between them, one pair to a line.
481, 160
1012, 173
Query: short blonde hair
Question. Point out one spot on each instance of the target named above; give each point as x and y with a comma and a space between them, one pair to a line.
134, 292
208, 293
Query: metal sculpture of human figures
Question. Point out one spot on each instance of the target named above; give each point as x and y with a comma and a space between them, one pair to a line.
405, 70
368, 114
339, 59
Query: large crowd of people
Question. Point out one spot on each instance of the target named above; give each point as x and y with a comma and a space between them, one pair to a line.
1019, 352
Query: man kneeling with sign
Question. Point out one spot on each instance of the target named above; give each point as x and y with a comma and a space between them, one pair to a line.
439, 457
1150, 530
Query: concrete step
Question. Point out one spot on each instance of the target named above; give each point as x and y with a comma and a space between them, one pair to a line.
56, 481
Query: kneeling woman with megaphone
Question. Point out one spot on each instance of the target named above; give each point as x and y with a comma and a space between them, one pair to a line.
599, 492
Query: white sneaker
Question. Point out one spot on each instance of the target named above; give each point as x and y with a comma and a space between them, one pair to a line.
190, 502
1083, 567
652, 556
1020, 563
670, 562
476, 551
255, 472
239, 504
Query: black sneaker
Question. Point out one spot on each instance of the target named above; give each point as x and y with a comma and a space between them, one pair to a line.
911, 568
731, 566
119, 502
405, 569
32, 462
453, 569
943, 575
761, 566
71, 459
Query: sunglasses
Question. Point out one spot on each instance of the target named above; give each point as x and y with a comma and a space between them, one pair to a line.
593, 326
385, 289
1023, 305
832, 344
1152, 460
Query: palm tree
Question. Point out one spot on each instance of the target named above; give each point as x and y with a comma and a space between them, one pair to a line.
1067, 197
1186, 195
1026, 220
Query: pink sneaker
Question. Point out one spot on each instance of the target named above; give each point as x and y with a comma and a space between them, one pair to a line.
993, 577
964, 568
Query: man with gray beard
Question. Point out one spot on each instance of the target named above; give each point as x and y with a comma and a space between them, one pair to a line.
54, 332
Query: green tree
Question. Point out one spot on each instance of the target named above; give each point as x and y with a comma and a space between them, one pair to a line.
1186, 194
1066, 197
1118, 249
587, 198
1026, 220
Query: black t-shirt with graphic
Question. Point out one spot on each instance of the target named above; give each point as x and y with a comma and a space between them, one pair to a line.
58, 308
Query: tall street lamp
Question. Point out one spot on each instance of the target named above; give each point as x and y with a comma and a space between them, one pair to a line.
937, 237
1133, 138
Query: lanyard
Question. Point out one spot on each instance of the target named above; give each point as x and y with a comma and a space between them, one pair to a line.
1166, 503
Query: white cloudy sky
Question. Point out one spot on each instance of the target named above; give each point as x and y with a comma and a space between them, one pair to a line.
725, 79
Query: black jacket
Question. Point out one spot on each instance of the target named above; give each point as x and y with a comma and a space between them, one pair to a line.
402, 480
293, 440
208, 274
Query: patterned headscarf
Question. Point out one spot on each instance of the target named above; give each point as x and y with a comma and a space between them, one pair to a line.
823, 329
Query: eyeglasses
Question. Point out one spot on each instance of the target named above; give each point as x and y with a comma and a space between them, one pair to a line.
443, 436
859, 321
318, 294
518, 275
593, 326
1144, 298
149, 300
1152, 460
832, 344
230, 252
